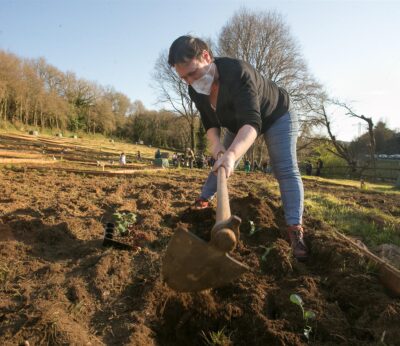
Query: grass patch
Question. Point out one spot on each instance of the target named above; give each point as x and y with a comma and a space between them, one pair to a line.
372, 225
97, 142
386, 188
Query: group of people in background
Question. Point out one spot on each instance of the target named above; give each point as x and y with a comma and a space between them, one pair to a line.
122, 158
255, 166
190, 160
318, 167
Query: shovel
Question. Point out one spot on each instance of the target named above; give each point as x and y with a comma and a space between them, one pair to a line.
388, 275
190, 264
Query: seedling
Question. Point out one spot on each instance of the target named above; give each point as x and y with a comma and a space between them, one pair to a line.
307, 314
123, 221
266, 253
253, 228
218, 338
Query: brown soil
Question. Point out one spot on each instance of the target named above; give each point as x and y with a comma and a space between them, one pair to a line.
59, 286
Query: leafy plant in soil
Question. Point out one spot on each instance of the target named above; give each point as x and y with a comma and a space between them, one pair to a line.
266, 252
307, 314
252, 228
123, 221
218, 338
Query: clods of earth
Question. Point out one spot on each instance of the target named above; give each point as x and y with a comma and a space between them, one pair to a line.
60, 286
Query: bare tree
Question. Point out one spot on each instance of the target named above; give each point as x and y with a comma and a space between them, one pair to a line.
138, 107
342, 149
174, 92
371, 134
264, 40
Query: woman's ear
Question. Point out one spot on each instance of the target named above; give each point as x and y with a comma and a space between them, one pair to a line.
206, 56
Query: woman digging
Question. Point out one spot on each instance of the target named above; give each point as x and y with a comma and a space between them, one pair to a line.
231, 94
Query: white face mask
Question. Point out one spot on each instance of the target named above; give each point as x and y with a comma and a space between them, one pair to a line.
204, 83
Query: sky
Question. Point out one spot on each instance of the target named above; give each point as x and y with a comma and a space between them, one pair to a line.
351, 47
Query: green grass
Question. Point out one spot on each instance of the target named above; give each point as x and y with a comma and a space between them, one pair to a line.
372, 225
386, 188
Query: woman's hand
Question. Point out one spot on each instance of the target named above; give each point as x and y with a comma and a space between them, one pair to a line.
228, 161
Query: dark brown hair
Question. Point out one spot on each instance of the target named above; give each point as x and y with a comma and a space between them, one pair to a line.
185, 48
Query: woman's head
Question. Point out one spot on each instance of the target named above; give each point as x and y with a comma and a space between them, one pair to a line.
185, 48
193, 62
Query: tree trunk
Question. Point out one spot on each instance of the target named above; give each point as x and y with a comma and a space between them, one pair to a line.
26, 113
372, 144
260, 156
35, 115
20, 112
192, 135
41, 117
5, 109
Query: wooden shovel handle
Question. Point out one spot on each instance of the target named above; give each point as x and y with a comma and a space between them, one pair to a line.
223, 208
389, 275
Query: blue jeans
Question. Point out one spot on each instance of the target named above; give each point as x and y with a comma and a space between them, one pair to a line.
281, 141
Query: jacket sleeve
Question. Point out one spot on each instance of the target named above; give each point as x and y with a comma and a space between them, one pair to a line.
245, 100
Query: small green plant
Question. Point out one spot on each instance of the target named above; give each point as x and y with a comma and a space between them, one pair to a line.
253, 229
218, 338
123, 221
266, 252
369, 266
307, 314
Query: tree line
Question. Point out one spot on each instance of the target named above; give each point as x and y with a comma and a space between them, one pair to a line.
37, 94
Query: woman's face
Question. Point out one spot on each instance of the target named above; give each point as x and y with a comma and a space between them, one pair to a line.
194, 69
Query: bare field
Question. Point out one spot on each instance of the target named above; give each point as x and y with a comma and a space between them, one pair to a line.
60, 286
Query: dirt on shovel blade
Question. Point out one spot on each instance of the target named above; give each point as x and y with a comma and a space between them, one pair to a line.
60, 286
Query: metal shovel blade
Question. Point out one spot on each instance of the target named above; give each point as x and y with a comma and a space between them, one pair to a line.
191, 264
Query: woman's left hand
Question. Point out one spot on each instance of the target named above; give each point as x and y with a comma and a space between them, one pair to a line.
228, 161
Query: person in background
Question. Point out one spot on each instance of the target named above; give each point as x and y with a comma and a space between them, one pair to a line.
320, 165
247, 166
256, 167
308, 167
175, 159
232, 94
122, 159
190, 157
200, 160
264, 167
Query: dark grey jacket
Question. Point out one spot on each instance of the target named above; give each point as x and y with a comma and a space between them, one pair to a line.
244, 97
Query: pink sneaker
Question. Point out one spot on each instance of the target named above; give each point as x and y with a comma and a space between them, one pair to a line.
201, 203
